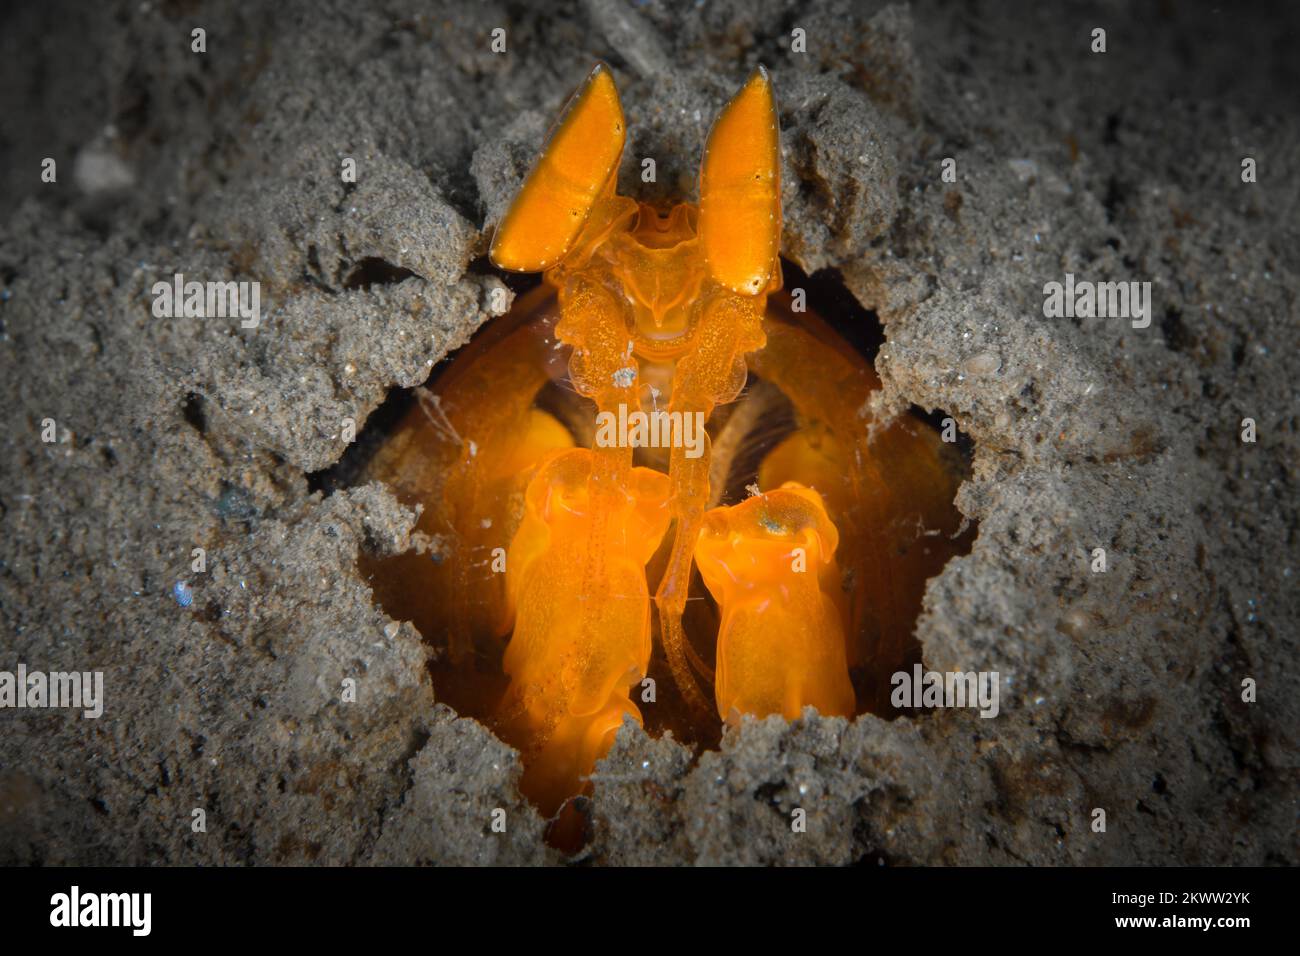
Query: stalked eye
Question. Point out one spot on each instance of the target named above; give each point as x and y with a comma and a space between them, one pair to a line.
574, 167
740, 190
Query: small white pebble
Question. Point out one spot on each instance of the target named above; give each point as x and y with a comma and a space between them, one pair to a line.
985, 363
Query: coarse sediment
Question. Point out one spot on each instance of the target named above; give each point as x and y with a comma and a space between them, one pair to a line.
1121, 690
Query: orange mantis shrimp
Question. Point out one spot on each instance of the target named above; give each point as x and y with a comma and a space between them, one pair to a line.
567, 475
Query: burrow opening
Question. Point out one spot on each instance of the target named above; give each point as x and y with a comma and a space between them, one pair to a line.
472, 682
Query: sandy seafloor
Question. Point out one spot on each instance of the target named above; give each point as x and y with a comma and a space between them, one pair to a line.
1123, 689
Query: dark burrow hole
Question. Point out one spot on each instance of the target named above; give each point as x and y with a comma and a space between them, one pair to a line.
830, 298
373, 271
413, 436
194, 413
1174, 330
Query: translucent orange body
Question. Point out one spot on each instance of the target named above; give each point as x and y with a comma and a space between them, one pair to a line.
770, 564
679, 296
657, 310
572, 661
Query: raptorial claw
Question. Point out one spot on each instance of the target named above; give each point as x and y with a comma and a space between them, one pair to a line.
769, 562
